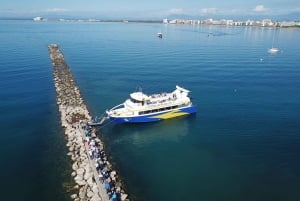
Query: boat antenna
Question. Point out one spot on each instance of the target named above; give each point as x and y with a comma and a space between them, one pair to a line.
274, 33
139, 89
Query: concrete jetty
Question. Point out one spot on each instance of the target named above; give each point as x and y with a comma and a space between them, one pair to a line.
93, 174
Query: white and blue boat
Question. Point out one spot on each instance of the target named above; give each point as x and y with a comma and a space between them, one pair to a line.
151, 108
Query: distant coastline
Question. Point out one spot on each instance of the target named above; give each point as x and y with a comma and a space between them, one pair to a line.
230, 22
223, 22
82, 20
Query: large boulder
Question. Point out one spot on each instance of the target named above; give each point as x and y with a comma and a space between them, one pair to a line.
74, 196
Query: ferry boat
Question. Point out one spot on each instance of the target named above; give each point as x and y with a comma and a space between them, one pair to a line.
151, 108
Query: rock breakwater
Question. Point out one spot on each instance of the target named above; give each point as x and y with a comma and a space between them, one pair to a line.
93, 174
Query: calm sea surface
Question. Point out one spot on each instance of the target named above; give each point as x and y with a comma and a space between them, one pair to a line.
243, 144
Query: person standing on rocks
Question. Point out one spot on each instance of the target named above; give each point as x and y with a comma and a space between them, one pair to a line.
101, 179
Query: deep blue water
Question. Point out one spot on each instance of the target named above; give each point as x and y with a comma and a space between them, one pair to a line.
243, 144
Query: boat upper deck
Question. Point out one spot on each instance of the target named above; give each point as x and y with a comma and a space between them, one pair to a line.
140, 102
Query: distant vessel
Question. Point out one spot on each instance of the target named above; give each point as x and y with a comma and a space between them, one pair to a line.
273, 50
159, 34
150, 108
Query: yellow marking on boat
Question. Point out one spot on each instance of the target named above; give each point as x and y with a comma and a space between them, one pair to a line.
171, 114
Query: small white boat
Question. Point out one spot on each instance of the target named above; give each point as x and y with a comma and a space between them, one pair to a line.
273, 50
150, 108
159, 34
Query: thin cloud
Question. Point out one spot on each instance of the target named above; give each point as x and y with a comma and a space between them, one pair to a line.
260, 8
180, 11
56, 10
296, 9
176, 11
209, 10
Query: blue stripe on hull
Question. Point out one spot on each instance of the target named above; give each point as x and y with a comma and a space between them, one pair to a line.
155, 117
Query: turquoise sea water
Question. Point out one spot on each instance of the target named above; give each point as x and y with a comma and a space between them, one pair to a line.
243, 144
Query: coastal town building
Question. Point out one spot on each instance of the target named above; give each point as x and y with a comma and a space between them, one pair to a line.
230, 22
37, 19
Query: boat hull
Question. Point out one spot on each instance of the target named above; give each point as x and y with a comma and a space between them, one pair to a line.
155, 116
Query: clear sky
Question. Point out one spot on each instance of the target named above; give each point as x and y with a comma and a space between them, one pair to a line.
148, 8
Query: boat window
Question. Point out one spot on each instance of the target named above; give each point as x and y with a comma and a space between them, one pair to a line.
135, 101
